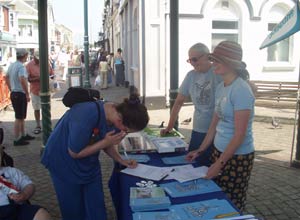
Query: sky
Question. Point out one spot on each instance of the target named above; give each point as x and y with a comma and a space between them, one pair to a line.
71, 14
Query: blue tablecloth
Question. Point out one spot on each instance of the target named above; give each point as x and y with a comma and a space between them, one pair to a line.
120, 184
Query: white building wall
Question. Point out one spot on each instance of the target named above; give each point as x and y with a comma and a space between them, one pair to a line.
195, 25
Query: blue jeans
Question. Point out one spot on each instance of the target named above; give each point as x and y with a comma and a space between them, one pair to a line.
196, 140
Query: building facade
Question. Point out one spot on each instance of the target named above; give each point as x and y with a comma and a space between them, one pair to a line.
142, 29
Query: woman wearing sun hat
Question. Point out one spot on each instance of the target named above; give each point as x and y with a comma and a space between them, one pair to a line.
231, 126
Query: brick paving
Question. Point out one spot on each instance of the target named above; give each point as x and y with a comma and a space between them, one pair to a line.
274, 191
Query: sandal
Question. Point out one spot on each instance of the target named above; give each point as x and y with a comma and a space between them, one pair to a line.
37, 130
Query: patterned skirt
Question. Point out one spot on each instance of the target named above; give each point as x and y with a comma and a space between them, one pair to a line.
235, 176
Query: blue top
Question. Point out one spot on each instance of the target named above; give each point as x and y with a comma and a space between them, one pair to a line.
74, 131
118, 61
234, 97
201, 88
16, 70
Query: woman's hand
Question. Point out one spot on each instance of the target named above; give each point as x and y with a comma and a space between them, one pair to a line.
112, 139
129, 163
193, 155
214, 170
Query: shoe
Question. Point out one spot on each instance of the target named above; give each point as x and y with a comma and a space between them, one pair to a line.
20, 142
37, 130
27, 137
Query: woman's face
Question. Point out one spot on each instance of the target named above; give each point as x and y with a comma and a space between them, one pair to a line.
198, 60
118, 123
220, 68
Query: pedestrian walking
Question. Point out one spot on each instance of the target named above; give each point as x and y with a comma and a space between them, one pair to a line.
16, 80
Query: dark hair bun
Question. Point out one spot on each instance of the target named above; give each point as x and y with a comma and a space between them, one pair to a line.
134, 99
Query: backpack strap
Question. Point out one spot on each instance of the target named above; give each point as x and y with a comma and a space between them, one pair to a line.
99, 112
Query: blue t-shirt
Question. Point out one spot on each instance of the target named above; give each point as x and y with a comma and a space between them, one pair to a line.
16, 70
74, 131
234, 97
201, 88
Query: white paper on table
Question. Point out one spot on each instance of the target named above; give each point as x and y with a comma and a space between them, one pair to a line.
148, 172
177, 170
189, 173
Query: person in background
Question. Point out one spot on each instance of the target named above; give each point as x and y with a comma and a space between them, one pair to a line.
231, 126
16, 80
110, 62
33, 70
120, 68
103, 69
72, 152
199, 84
16, 189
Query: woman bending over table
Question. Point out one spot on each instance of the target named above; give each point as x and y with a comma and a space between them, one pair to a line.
73, 149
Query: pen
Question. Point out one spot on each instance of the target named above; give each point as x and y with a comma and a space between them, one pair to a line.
165, 176
226, 215
125, 154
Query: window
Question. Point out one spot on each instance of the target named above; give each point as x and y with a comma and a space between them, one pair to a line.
25, 30
279, 51
224, 30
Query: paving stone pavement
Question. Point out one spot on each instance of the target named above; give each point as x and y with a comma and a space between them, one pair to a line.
274, 191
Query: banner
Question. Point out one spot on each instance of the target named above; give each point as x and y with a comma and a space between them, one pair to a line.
289, 25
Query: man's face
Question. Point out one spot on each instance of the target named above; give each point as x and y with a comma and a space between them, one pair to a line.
198, 60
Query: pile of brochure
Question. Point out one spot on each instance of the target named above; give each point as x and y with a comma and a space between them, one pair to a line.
190, 188
148, 198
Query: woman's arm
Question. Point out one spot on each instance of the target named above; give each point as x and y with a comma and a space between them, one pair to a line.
241, 120
110, 139
114, 154
207, 140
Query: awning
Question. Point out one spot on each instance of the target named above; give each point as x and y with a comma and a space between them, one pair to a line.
289, 25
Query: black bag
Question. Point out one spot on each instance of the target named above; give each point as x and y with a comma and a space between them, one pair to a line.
77, 95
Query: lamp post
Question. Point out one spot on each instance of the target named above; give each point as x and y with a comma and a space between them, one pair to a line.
173, 54
44, 70
86, 47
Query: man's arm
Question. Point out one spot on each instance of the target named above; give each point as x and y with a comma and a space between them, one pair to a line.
24, 85
7, 82
174, 113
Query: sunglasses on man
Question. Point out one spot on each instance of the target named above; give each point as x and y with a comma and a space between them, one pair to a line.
194, 59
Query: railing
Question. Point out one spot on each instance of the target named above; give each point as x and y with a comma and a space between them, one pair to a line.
4, 93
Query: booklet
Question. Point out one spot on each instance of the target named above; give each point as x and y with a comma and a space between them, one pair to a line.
194, 187
203, 210
148, 198
176, 160
140, 158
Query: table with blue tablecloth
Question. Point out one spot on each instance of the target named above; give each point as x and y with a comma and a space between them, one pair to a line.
120, 184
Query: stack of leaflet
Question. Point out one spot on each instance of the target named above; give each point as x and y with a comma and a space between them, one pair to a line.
190, 188
148, 198
169, 144
159, 215
203, 210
